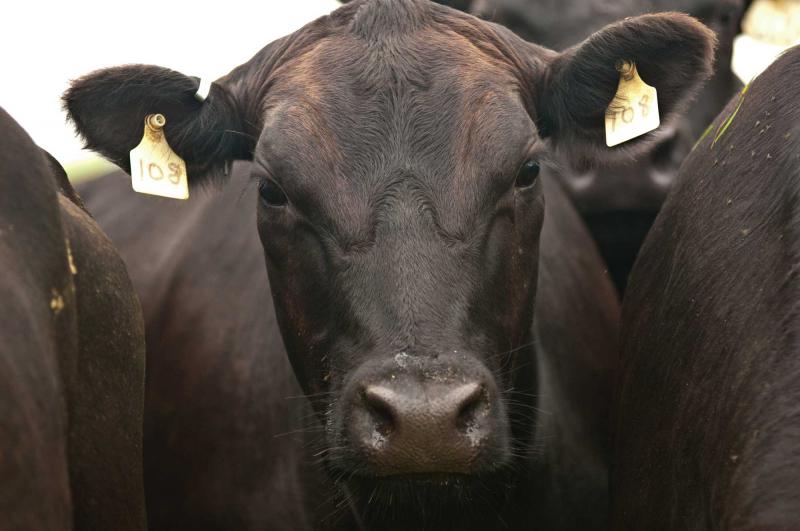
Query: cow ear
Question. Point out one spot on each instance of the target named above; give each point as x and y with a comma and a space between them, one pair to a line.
672, 52
108, 108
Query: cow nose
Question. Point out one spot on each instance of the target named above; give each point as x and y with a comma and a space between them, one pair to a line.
453, 409
438, 428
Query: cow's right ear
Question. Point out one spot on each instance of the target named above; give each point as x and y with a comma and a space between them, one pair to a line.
108, 108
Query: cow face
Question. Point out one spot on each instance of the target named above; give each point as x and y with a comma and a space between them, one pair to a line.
397, 146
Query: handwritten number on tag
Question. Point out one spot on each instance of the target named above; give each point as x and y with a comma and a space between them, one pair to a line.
174, 173
634, 109
156, 172
627, 113
643, 103
156, 169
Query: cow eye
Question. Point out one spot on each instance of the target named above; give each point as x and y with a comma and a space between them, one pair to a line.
527, 174
271, 193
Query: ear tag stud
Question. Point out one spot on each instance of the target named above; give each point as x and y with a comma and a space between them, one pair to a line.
634, 109
155, 168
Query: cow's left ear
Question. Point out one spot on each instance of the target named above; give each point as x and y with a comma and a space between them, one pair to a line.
108, 108
672, 52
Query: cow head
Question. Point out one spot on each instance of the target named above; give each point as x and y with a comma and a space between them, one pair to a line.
397, 146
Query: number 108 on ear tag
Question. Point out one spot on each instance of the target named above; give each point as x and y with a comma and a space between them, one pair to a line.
155, 168
634, 109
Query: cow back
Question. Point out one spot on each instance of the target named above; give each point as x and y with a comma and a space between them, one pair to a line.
38, 324
708, 411
106, 388
71, 356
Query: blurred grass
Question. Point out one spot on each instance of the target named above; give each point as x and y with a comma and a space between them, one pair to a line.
86, 169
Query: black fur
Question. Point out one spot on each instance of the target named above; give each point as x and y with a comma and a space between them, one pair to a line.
71, 356
108, 108
707, 430
672, 52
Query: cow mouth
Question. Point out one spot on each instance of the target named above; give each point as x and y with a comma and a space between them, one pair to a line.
429, 501
433, 480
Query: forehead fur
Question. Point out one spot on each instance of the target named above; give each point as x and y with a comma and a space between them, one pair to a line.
391, 42
377, 20
435, 86
396, 47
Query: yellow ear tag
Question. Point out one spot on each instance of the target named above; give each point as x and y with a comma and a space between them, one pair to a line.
769, 27
634, 110
773, 21
155, 168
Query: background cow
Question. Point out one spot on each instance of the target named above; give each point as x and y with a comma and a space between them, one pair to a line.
620, 199
708, 425
443, 309
71, 356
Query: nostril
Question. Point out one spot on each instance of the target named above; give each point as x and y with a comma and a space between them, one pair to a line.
437, 426
380, 410
474, 406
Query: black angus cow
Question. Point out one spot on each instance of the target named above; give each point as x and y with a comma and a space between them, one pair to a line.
708, 423
619, 200
71, 357
442, 308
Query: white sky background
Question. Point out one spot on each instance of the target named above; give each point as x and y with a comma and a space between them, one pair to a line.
44, 45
